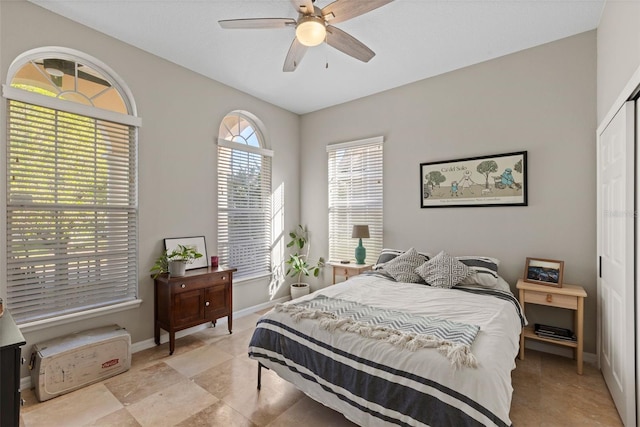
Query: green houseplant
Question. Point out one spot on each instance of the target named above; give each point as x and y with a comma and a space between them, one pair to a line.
175, 262
298, 262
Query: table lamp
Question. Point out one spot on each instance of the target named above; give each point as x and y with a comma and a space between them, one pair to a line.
360, 232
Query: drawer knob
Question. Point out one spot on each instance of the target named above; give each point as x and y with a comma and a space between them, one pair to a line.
183, 286
549, 298
22, 360
22, 402
206, 304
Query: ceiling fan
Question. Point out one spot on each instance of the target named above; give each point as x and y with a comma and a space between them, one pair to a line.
314, 26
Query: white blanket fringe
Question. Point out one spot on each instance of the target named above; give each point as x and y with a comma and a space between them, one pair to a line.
458, 354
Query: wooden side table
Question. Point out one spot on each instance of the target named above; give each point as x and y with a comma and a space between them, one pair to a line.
348, 270
568, 297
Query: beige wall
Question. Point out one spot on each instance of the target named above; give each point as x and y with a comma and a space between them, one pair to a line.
618, 51
542, 100
181, 112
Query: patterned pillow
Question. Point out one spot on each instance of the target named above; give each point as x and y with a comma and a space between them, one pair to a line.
485, 271
443, 271
387, 255
402, 268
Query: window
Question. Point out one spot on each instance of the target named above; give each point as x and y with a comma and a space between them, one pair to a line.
71, 202
355, 196
244, 196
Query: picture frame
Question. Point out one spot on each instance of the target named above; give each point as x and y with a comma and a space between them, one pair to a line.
493, 180
542, 271
196, 242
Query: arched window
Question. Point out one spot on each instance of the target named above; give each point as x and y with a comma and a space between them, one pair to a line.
71, 186
244, 196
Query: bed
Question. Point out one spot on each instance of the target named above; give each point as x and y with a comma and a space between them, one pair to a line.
389, 352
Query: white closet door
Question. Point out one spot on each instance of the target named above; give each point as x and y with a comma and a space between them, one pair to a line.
616, 229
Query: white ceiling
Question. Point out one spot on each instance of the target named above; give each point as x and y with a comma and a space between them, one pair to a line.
413, 40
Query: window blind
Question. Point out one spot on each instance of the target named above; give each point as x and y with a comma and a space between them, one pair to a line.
71, 212
355, 197
244, 209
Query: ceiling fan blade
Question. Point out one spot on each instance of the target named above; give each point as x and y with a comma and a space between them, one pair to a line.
348, 44
341, 10
304, 7
257, 23
295, 55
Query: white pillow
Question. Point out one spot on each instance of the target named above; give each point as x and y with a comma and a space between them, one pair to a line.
443, 271
402, 268
485, 271
503, 285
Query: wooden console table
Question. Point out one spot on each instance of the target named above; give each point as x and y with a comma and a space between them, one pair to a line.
202, 295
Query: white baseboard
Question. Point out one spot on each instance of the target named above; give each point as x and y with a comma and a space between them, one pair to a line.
25, 382
164, 336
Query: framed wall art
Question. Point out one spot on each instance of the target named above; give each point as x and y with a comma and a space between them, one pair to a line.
544, 271
196, 243
496, 180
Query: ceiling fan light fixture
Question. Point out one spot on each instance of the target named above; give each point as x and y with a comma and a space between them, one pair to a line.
311, 31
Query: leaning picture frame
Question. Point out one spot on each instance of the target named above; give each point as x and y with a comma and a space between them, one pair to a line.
546, 272
494, 180
196, 242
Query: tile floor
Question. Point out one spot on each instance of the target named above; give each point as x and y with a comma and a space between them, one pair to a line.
210, 381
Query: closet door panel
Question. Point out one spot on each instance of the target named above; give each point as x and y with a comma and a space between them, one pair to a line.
616, 248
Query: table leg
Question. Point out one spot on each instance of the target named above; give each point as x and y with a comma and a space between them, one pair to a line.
156, 333
579, 320
522, 332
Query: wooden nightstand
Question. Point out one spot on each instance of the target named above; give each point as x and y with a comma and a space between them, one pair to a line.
348, 270
569, 297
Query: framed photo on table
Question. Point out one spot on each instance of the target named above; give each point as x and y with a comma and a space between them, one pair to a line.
196, 243
546, 272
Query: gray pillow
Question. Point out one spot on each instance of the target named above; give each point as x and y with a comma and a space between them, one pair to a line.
402, 268
443, 271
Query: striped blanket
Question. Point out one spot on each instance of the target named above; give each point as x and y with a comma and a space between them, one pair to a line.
373, 383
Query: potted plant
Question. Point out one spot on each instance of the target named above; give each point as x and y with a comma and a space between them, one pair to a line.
298, 264
175, 262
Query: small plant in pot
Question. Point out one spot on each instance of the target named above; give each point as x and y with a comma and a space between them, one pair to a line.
175, 262
298, 264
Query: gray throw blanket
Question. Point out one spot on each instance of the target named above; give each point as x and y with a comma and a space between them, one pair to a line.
453, 339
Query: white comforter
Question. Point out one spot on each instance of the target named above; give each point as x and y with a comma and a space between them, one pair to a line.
482, 394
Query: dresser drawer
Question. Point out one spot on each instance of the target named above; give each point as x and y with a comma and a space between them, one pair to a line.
551, 299
219, 278
341, 271
188, 284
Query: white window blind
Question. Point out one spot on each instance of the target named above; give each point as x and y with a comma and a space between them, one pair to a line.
244, 208
71, 212
355, 197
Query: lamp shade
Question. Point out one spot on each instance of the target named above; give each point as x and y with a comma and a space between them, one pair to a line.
360, 232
